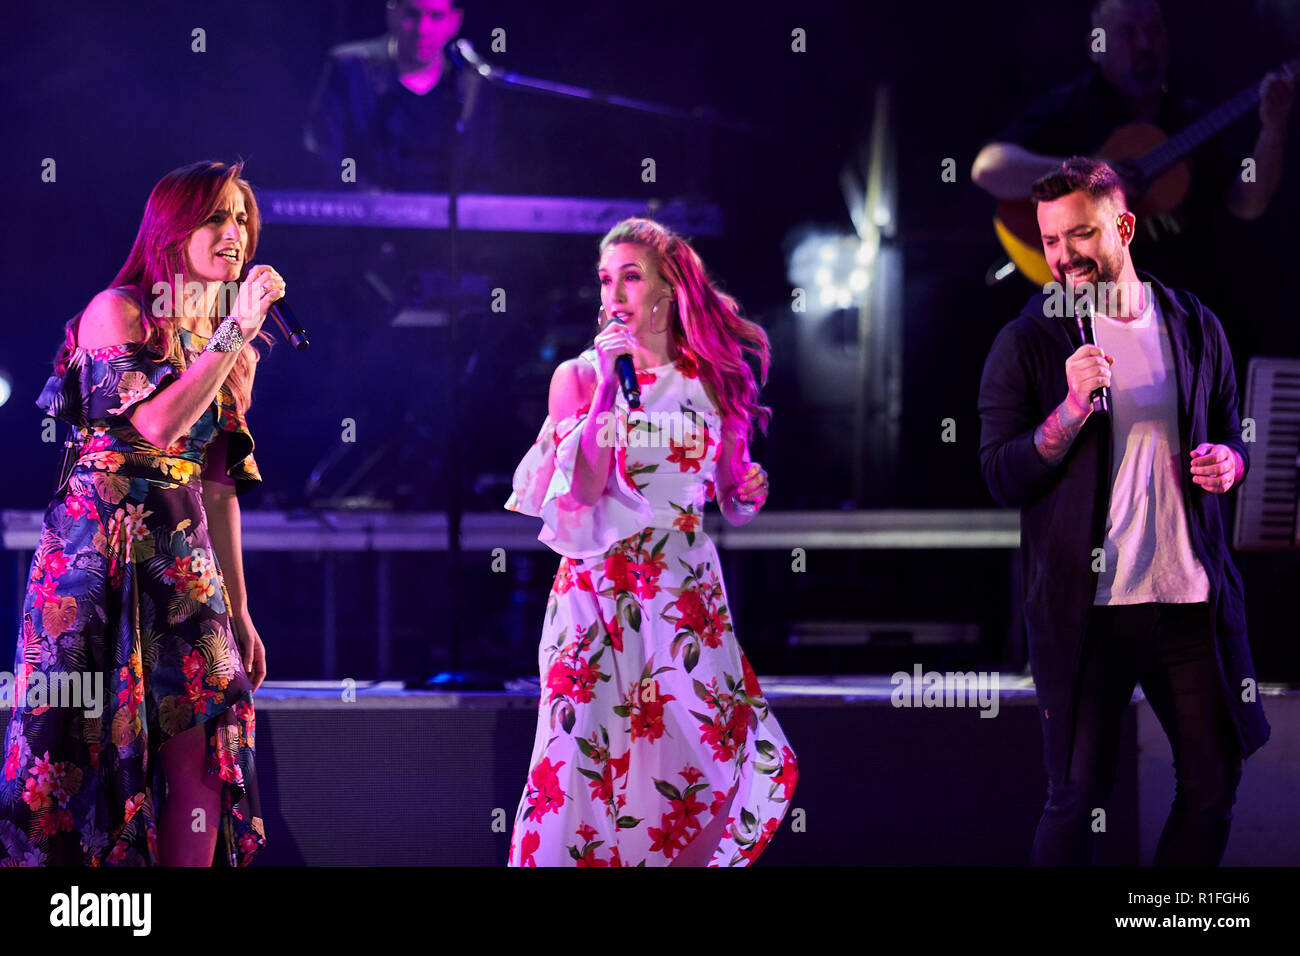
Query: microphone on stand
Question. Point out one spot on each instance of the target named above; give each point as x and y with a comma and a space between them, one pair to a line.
472, 72
463, 54
1083, 315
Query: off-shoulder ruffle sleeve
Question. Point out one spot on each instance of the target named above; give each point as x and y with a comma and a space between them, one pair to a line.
103, 385
240, 464
543, 482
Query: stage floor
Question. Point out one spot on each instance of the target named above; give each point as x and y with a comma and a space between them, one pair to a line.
796, 691
879, 784
374, 774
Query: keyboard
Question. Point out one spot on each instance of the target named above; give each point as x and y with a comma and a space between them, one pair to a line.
482, 213
1266, 517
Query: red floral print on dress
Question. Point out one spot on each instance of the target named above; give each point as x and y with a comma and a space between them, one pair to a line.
546, 795
669, 686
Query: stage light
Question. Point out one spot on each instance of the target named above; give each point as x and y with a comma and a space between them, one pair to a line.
837, 268
6, 389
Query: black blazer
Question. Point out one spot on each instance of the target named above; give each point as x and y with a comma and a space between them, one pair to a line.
1064, 507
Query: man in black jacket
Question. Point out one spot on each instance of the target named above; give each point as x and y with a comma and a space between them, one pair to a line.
1127, 572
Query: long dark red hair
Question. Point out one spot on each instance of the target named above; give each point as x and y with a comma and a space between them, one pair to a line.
180, 203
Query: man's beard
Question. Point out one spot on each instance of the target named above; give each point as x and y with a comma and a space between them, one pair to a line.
1102, 271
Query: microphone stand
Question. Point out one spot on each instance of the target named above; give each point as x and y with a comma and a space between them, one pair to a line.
456, 678
463, 52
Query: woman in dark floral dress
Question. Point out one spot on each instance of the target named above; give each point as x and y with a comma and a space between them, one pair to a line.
655, 745
137, 587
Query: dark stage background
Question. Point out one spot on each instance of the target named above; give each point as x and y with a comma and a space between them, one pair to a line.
113, 93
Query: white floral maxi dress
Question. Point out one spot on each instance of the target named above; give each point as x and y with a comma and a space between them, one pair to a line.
650, 716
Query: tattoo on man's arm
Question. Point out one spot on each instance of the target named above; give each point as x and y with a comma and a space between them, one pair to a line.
1054, 436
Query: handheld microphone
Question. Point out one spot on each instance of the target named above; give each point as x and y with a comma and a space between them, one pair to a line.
627, 378
1083, 315
289, 326
626, 372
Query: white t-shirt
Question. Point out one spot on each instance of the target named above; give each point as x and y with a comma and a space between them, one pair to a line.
1148, 552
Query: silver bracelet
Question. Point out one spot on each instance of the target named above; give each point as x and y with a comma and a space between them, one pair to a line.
227, 338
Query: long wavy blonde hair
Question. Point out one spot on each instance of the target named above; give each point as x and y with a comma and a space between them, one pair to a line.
180, 203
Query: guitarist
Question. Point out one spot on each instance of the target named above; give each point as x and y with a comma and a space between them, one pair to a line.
1128, 83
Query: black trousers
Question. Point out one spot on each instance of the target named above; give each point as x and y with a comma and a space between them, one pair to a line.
1168, 648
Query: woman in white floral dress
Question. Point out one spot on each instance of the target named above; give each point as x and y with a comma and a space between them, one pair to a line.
655, 745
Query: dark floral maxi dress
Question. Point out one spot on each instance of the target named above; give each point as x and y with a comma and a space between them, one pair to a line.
125, 588
651, 723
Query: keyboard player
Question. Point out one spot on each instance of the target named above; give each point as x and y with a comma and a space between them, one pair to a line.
391, 104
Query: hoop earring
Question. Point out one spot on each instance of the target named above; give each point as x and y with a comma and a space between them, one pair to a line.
653, 311
653, 330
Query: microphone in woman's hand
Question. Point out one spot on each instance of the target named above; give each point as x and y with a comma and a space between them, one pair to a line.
627, 378
626, 372
289, 326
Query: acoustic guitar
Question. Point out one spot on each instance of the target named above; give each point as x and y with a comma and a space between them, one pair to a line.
1155, 174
